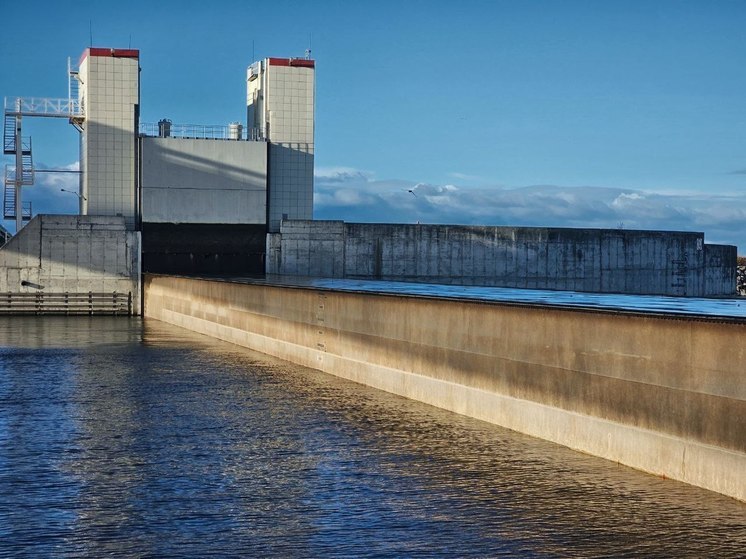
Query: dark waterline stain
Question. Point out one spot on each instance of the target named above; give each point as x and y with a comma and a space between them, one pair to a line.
129, 438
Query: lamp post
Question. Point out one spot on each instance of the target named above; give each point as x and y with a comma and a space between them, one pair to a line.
80, 196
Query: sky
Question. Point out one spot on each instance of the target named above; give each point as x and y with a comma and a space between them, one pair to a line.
620, 114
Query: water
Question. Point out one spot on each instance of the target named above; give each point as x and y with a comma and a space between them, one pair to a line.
724, 308
125, 438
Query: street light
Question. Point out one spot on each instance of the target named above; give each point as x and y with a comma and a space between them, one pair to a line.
76, 194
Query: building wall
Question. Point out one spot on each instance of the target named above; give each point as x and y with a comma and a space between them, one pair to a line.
74, 254
280, 100
203, 181
659, 394
109, 93
592, 260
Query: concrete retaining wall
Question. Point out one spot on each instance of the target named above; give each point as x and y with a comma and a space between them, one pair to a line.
75, 254
666, 396
721, 270
593, 260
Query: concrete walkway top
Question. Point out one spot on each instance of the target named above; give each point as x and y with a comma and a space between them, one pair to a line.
728, 309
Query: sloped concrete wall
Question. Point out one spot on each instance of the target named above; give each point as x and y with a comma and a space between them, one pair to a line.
75, 254
661, 394
592, 260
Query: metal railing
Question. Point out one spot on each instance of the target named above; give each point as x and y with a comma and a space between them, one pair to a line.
43, 106
90, 303
27, 179
201, 132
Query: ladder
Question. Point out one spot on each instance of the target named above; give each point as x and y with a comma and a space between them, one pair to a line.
73, 95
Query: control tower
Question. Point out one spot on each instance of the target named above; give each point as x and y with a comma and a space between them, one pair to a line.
109, 95
280, 99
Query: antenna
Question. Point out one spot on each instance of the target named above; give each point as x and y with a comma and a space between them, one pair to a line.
90, 32
130, 44
308, 50
253, 58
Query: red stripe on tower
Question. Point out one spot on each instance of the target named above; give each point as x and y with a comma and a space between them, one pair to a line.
301, 62
113, 53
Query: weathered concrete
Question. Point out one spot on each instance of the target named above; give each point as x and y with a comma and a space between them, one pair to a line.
593, 260
721, 272
664, 395
203, 181
75, 254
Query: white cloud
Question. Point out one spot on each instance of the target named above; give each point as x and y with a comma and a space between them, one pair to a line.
625, 199
464, 177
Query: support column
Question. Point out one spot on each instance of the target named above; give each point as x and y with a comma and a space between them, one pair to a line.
19, 174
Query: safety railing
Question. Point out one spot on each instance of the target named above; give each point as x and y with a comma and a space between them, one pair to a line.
43, 106
200, 131
90, 303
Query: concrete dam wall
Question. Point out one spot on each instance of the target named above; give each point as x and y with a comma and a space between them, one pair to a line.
56, 260
592, 260
661, 394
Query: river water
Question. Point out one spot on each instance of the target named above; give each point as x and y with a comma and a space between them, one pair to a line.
129, 438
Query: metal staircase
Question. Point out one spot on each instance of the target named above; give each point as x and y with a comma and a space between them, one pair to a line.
9, 134
9, 198
22, 173
26, 161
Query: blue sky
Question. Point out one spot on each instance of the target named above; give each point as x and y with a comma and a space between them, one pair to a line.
599, 113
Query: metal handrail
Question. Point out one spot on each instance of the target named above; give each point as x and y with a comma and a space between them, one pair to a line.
42, 106
200, 131
39, 302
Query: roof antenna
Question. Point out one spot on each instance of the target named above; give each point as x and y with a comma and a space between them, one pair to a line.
253, 57
308, 50
90, 32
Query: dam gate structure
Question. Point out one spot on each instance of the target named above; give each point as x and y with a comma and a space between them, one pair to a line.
238, 200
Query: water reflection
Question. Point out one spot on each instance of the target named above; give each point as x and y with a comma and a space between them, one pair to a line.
124, 438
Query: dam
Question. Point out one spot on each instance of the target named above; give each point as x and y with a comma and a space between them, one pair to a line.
176, 223
658, 388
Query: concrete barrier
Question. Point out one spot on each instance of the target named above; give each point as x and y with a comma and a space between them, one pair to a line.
664, 395
593, 260
72, 254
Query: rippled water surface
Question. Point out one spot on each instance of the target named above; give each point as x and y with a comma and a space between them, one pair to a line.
124, 438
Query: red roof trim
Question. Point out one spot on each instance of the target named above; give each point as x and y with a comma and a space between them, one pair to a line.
302, 62
113, 53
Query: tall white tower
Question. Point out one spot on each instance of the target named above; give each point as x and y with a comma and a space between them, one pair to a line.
280, 100
109, 94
